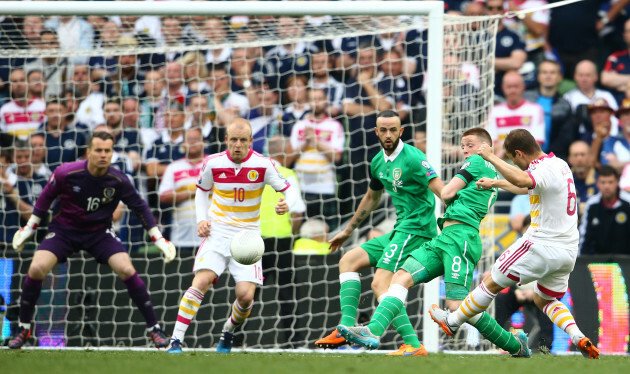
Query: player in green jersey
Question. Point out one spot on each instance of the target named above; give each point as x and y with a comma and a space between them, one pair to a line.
403, 171
454, 253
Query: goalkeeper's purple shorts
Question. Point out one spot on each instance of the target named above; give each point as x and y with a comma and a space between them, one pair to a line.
63, 242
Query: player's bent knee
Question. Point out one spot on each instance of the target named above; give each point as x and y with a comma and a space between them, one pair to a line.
403, 278
203, 280
354, 260
38, 271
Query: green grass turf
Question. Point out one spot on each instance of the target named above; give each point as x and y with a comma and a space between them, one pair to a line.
88, 362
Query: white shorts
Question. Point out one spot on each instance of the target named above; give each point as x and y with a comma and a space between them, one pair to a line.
214, 254
524, 262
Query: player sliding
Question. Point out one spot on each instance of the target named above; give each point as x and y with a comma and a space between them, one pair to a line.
88, 192
236, 178
454, 253
547, 251
404, 172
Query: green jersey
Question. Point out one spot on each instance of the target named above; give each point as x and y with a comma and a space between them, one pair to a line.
405, 175
471, 204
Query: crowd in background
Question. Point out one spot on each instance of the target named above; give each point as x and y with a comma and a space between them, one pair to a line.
562, 73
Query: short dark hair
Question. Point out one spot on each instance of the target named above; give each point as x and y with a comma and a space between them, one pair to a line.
48, 31
21, 144
112, 100
28, 75
55, 100
607, 171
388, 114
480, 133
521, 140
101, 135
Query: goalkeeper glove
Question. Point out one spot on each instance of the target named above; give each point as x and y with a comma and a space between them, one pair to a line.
23, 234
167, 248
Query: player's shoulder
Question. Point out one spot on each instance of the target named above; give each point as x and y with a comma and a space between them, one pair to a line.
215, 158
71, 168
118, 175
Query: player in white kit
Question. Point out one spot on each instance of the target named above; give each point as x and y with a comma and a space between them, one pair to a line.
547, 251
236, 179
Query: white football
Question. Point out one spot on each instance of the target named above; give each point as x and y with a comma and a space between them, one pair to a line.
247, 247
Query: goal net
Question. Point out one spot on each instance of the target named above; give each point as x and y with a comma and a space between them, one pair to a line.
148, 78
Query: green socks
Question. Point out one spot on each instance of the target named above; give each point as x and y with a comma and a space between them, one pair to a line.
491, 330
403, 326
389, 308
349, 294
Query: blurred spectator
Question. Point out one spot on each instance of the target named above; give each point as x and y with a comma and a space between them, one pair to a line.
195, 74
394, 84
616, 149
36, 84
167, 148
350, 46
198, 115
109, 37
420, 140
55, 69
38, 145
265, 117
18, 191
127, 78
532, 28
601, 119
321, 65
32, 28
172, 32
126, 139
74, 33
227, 104
572, 33
313, 238
98, 23
131, 120
616, 73
241, 68
509, 48
177, 191
583, 172
214, 31
21, 116
153, 103
516, 112
88, 100
284, 60
63, 144
559, 122
175, 89
605, 226
319, 141
296, 102
586, 93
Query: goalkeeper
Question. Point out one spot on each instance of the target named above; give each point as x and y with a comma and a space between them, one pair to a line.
407, 176
86, 194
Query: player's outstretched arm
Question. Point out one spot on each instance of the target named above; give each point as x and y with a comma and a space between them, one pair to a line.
436, 185
25, 233
488, 183
366, 206
167, 248
511, 173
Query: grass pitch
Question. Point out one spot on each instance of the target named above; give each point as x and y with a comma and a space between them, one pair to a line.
119, 362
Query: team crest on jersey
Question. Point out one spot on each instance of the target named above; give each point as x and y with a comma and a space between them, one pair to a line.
525, 120
621, 217
397, 173
108, 194
252, 175
50, 235
466, 164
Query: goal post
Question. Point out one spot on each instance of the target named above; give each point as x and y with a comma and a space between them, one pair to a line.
453, 102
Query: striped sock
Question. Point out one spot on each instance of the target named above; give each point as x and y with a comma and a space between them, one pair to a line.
403, 326
490, 329
388, 309
349, 293
560, 315
475, 303
238, 316
188, 308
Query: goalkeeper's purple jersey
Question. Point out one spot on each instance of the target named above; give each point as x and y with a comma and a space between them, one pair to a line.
86, 202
